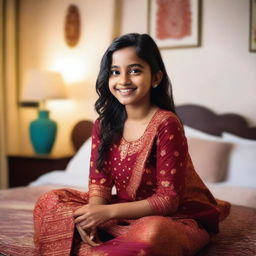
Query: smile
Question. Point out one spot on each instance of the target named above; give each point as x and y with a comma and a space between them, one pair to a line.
126, 91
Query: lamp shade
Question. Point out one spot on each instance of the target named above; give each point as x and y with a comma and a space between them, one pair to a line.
43, 85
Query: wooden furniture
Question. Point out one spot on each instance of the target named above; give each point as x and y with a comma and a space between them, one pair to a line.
25, 168
205, 120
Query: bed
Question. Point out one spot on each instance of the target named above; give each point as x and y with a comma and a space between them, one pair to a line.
220, 139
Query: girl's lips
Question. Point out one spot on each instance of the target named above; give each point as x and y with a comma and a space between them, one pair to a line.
126, 91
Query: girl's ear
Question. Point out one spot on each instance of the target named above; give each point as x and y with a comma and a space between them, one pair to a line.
157, 79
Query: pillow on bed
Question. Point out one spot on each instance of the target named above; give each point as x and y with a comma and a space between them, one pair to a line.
80, 162
76, 173
210, 158
194, 133
242, 167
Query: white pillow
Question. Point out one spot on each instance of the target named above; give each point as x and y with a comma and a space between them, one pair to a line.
234, 138
242, 166
80, 163
76, 173
194, 133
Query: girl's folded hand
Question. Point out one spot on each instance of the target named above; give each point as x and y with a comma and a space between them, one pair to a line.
88, 237
91, 216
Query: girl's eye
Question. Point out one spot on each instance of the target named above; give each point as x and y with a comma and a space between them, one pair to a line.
135, 71
114, 72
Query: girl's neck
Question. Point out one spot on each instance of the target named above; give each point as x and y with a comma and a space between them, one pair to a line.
140, 113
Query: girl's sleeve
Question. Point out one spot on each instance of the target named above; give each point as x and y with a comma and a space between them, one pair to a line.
171, 155
100, 181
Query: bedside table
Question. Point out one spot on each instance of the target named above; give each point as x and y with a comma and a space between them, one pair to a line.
26, 168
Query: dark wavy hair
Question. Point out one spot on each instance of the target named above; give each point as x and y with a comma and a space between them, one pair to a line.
112, 114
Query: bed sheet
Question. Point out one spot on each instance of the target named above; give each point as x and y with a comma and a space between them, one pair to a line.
237, 233
16, 219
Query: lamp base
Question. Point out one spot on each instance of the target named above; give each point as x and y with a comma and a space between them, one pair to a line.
43, 133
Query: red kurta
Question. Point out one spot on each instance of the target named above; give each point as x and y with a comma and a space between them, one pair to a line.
156, 167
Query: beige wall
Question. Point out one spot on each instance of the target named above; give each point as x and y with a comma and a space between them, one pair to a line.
221, 74
42, 46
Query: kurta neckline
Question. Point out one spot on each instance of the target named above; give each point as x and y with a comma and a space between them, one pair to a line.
141, 137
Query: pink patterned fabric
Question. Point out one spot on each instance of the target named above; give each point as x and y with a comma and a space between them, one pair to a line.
237, 235
173, 19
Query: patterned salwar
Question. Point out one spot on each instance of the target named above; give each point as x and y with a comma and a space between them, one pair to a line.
157, 168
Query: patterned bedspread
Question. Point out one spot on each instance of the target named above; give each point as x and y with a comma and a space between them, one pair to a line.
237, 233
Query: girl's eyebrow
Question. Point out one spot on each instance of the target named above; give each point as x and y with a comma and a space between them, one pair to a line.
130, 66
136, 65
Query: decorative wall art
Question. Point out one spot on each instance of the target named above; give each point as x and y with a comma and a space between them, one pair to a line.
72, 26
175, 23
252, 44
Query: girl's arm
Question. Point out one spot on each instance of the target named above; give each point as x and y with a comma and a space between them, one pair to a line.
90, 216
130, 210
97, 200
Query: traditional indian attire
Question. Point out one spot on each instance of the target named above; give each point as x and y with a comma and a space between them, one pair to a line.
156, 167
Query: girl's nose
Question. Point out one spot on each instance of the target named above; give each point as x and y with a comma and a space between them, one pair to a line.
124, 79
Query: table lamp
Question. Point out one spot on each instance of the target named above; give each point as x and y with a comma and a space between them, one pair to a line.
41, 86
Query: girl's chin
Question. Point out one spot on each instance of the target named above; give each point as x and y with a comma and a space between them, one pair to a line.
125, 100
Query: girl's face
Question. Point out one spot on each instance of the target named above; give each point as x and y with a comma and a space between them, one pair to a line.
130, 79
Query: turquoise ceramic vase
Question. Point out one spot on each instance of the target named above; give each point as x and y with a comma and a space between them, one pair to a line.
43, 132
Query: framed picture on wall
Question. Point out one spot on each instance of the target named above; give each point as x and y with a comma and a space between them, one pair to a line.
252, 45
175, 24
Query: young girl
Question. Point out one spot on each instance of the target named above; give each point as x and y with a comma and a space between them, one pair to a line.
138, 145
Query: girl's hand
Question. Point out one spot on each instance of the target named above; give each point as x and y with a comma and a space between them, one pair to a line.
88, 238
91, 216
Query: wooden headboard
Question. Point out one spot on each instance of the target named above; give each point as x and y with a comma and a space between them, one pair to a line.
195, 116
203, 119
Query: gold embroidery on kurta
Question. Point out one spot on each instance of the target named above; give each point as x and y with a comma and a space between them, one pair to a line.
162, 172
148, 139
100, 190
171, 137
176, 153
173, 171
163, 152
165, 183
129, 148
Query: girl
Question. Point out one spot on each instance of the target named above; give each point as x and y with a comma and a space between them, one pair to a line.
138, 145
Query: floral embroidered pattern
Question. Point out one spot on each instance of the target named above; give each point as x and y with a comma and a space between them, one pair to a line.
129, 148
173, 171
176, 153
165, 183
149, 137
164, 205
171, 137
162, 172
163, 153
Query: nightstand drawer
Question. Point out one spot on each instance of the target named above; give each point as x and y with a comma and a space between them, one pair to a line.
24, 169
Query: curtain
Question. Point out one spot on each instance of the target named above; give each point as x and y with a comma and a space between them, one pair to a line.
3, 169
9, 134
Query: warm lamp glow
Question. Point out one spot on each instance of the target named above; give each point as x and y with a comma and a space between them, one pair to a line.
72, 68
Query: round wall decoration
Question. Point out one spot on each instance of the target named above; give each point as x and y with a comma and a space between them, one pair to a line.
72, 26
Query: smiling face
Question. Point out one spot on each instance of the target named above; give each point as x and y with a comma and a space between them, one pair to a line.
130, 79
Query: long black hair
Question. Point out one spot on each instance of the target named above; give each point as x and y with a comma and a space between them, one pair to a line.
112, 114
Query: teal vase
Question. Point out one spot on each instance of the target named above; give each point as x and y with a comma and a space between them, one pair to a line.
43, 132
